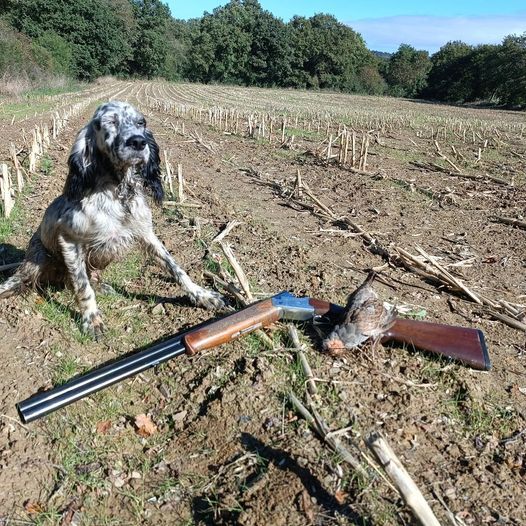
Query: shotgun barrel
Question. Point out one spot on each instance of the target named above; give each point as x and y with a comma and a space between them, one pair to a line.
46, 402
206, 336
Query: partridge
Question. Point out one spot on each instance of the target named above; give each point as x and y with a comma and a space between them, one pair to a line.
365, 318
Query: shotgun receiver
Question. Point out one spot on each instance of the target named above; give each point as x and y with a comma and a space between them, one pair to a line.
465, 345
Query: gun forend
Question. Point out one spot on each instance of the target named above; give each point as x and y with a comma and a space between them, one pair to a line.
281, 306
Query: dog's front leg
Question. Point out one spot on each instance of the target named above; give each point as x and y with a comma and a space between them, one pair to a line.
198, 295
74, 258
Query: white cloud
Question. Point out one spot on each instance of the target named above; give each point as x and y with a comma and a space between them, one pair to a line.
432, 32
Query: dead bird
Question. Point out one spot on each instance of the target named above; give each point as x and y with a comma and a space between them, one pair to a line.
364, 318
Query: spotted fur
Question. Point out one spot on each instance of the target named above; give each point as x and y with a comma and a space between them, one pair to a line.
113, 166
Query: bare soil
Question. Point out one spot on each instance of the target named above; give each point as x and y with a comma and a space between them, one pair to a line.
228, 448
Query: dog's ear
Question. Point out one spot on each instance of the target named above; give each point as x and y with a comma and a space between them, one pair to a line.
152, 170
82, 164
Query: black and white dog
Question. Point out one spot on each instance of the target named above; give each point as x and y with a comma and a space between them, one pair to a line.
113, 166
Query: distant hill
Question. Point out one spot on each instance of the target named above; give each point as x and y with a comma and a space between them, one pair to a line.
382, 54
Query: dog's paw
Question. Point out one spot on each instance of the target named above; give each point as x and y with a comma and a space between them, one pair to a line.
208, 299
93, 325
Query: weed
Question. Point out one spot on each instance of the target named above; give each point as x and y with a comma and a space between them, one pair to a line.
46, 165
48, 517
479, 417
66, 368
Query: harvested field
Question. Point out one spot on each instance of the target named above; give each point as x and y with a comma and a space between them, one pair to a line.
392, 185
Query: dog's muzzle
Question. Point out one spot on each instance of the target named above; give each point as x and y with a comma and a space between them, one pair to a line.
136, 142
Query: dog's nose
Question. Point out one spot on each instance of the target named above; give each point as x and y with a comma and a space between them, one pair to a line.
137, 142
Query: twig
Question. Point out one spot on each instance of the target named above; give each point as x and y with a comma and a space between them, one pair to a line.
230, 287
7, 417
401, 479
449, 513
243, 281
182, 205
449, 277
324, 207
321, 429
311, 384
298, 186
512, 322
457, 169
229, 227
409, 383
510, 221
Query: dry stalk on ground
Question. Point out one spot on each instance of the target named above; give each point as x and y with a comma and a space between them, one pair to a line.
402, 480
320, 427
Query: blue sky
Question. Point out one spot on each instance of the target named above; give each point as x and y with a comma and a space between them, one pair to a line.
385, 24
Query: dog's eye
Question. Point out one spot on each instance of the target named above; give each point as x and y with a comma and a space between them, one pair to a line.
141, 122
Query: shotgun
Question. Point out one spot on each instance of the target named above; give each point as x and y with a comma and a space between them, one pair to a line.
463, 344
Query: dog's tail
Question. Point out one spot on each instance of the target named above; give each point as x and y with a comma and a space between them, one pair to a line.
14, 285
29, 273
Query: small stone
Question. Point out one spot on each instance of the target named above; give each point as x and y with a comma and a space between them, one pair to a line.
179, 417
76, 520
135, 475
119, 482
165, 391
269, 423
302, 462
159, 310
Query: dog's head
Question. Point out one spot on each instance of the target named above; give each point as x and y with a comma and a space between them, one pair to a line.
117, 141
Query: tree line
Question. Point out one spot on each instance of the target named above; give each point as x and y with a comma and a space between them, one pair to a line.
241, 43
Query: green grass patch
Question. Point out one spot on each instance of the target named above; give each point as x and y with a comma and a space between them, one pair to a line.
56, 308
119, 273
305, 134
480, 417
49, 92
23, 108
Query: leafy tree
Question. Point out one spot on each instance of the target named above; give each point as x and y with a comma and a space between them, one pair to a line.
371, 81
60, 51
407, 71
178, 44
149, 45
223, 42
269, 60
326, 53
91, 27
448, 78
511, 70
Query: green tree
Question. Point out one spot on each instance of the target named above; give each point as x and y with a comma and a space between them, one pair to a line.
449, 76
61, 53
326, 53
178, 44
93, 29
371, 81
511, 70
149, 46
269, 59
407, 71
222, 45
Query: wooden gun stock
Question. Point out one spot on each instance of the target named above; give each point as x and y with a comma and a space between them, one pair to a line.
459, 343
256, 316
233, 326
